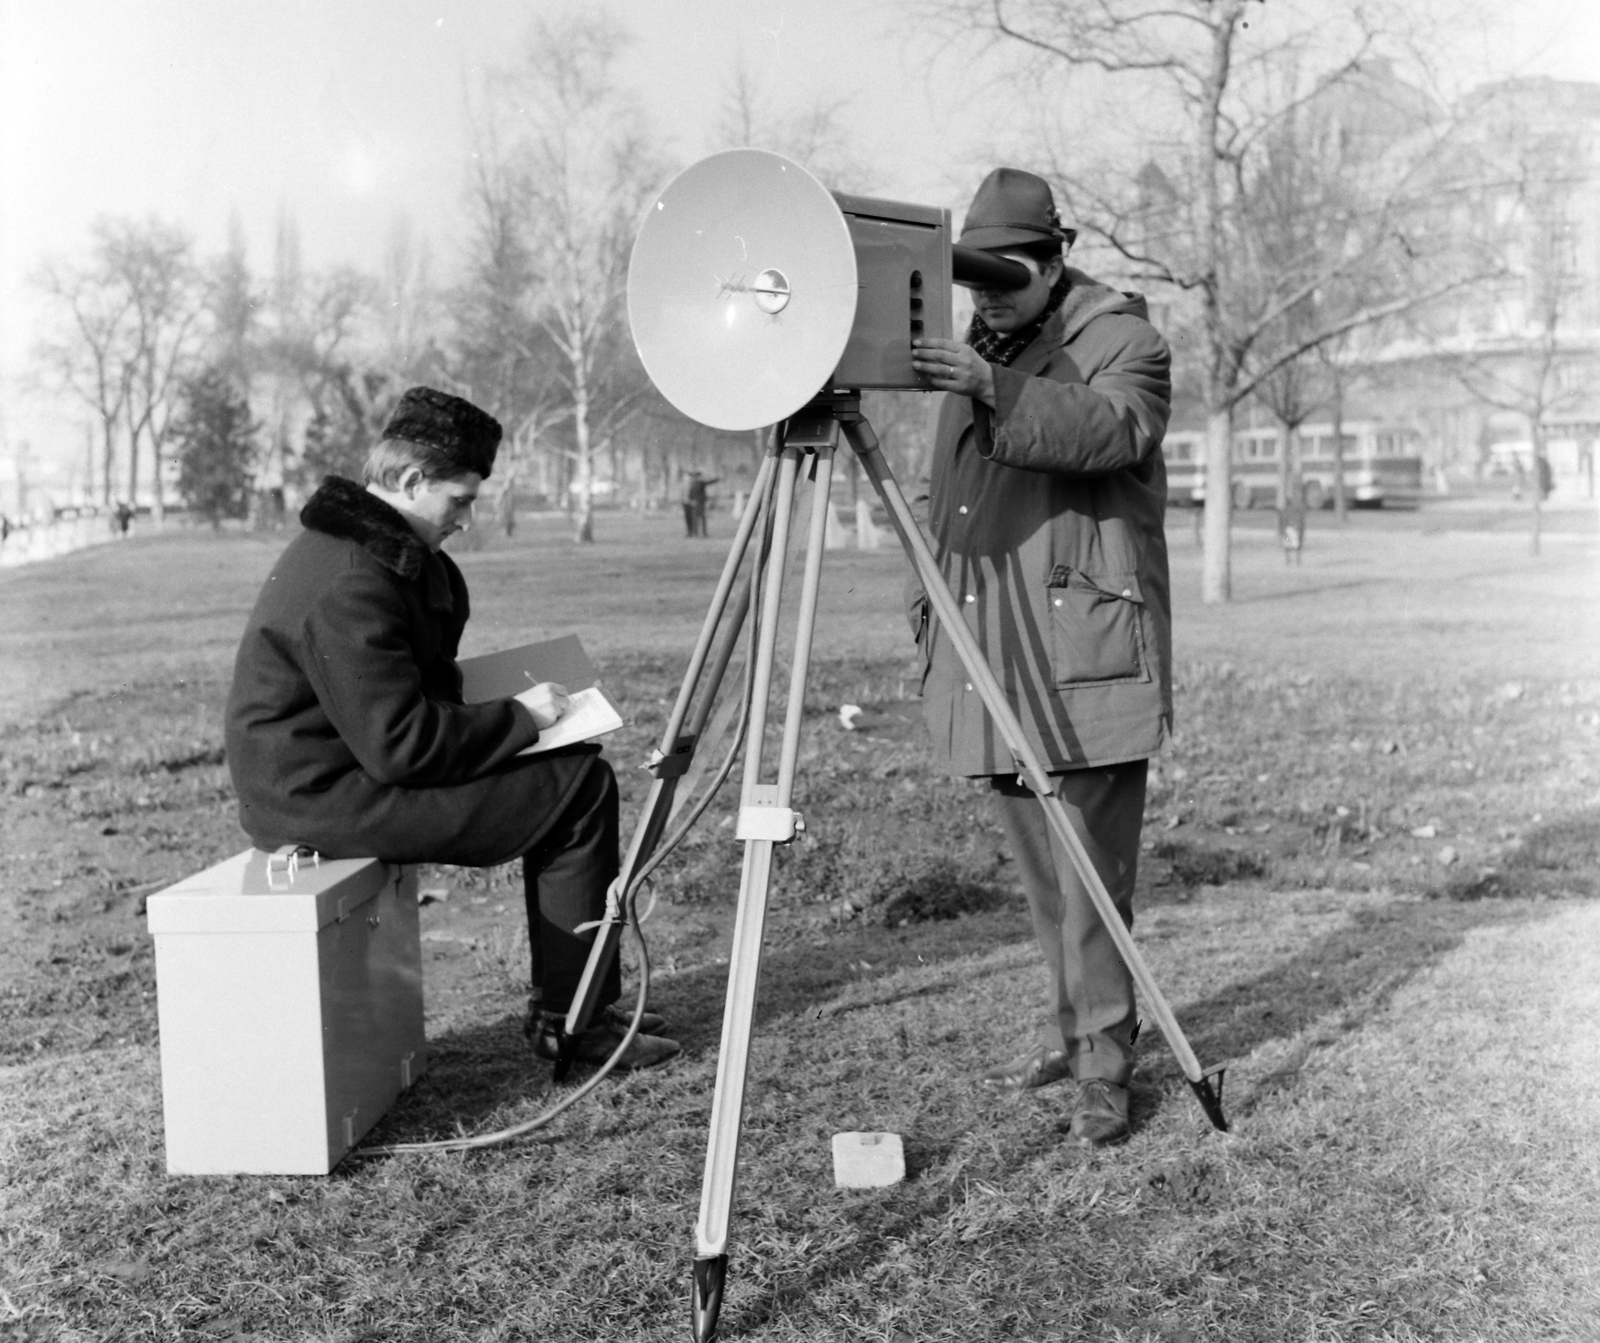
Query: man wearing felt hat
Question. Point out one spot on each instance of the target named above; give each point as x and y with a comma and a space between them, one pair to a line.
1046, 500
346, 730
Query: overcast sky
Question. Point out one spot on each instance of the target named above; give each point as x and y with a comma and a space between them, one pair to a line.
349, 113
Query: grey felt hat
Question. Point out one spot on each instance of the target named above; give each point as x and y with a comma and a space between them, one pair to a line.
1013, 208
468, 436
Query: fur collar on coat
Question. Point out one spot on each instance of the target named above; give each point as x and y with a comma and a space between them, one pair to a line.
345, 509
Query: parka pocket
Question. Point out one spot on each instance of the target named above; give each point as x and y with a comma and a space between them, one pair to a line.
1095, 630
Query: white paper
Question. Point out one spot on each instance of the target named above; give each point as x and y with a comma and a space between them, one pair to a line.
590, 715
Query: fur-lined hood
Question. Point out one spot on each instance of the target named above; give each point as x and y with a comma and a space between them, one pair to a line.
1087, 299
345, 509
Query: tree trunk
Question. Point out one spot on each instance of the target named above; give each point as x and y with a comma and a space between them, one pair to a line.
1341, 506
133, 470
1540, 470
508, 494
159, 508
583, 518
1284, 495
108, 461
1216, 583
1294, 507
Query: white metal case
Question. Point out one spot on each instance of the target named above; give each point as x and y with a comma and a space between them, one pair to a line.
290, 1005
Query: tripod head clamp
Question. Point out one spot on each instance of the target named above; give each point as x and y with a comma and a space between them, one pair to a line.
675, 765
817, 423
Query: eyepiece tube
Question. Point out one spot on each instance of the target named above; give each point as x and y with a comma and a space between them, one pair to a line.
985, 270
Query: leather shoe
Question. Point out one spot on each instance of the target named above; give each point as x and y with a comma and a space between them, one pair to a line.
651, 1023
1039, 1068
1099, 1114
600, 1041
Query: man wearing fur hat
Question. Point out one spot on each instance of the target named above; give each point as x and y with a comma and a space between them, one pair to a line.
1046, 501
346, 729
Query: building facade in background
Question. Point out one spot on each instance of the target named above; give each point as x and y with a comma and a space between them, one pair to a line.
1501, 365
1510, 367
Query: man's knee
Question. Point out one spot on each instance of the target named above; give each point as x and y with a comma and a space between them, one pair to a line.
588, 820
602, 780
595, 801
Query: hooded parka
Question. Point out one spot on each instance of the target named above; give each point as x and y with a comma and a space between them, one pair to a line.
1047, 517
345, 727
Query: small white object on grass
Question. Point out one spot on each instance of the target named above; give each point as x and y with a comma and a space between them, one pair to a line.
853, 718
868, 1160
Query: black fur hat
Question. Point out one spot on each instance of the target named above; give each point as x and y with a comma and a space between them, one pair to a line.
468, 436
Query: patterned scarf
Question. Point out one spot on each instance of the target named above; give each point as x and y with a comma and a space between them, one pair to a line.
998, 348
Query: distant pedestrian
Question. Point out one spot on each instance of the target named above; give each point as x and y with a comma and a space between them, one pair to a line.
688, 513
1546, 477
696, 496
123, 517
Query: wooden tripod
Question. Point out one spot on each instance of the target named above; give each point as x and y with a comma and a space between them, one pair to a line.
766, 814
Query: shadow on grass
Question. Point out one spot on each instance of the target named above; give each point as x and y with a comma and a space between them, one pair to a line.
1337, 983
1557, 859
473, 1072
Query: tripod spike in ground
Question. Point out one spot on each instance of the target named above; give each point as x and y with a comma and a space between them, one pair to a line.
710, 1275
1211, 1099
567, 1047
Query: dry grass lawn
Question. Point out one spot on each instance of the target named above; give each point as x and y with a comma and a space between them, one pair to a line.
1372, 860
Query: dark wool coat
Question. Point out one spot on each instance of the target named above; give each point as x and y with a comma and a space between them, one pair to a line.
1047, 518
345, 727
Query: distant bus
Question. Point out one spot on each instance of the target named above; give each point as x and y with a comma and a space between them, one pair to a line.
1382, 465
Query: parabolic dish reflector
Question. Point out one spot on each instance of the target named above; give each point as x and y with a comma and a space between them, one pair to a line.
742, 289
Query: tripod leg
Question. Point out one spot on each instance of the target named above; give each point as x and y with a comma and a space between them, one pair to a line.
765, 820
865, 444
669, 764
816, 541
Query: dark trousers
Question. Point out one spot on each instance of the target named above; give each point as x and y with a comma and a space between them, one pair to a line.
564, 881
1091, 991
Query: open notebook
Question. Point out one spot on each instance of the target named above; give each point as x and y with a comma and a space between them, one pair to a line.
513, 670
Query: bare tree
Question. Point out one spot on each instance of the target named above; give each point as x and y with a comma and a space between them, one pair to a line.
502, 357
573, 169
1192, 220
409, 306
1533, 362
87, 356
232, 305
129, 324
814, 135
155, 263
320, 407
